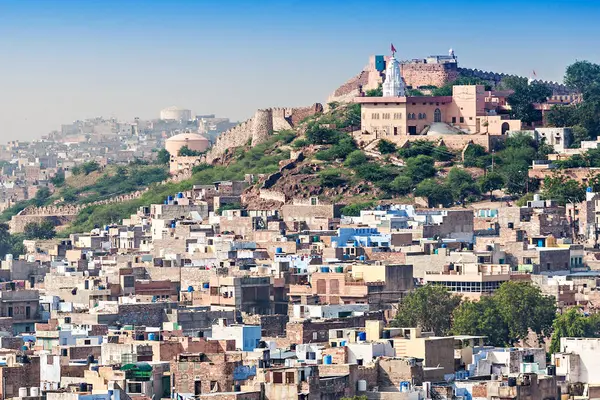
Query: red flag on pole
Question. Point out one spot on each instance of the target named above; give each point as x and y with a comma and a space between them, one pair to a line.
393, 48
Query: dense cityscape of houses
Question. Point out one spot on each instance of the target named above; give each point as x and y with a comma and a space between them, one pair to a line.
197, 297
184, 301
28, 166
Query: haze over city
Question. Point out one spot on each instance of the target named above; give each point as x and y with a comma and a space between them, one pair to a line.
67, 60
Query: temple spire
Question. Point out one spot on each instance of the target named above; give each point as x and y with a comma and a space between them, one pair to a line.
393, 86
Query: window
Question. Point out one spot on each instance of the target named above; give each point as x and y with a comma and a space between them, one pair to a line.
277, 377
134, 387
375, 116
311, 355
385, 116
290, 377
315, 336
395, 130
214, 386
412, 130
87, 342
437, 115
10, 311
397, 115
462, 120
50, 360
453, 120
197, 388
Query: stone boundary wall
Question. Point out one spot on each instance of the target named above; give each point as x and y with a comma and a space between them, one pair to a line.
257, 129
496, 78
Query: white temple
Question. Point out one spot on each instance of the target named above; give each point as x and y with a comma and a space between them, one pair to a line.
393, 86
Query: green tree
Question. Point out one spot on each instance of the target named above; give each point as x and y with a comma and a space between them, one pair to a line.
185, 151
163, 157
429, 307
316, 134
435, 192
572, 323
59, 178
89, 167
562, 116
490, 182
355, 159
331, 178
523, 307
353, 210
579, 134
420, 167
475, 156
481, 318
401, 185
516, 179
522, 100
581, 75
563, 189
386, 147
41, 196
378, 92
461, 183
42, 230
362, 397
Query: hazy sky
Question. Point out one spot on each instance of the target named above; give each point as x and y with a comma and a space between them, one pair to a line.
75, 59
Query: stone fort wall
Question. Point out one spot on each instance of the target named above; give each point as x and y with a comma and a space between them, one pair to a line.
416, 73
257, 129
421, 74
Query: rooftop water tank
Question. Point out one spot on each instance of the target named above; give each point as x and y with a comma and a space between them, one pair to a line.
206, 285
152, 337
278, 250
180, 195
35, 391
328, 359
190, 289
362, 336
23, 392
361, 385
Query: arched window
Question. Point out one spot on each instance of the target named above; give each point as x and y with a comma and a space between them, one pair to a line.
437, 115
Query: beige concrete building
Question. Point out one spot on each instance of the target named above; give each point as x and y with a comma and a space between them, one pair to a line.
461, 116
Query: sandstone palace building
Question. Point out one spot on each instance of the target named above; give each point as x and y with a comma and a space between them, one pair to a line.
454, 120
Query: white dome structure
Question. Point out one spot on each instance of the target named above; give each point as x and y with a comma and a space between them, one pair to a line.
175, 114
193, 141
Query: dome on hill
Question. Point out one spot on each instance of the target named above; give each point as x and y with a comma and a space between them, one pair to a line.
193, 141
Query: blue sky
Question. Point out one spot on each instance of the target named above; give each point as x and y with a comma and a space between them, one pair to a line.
74, 59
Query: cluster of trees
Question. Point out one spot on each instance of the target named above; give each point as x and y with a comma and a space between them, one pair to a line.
39, 230
505, 317
584, 117
123, 180
85, 168
10, 244
524, 96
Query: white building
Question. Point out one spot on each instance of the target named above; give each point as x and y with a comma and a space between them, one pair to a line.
578, 360
175, 114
